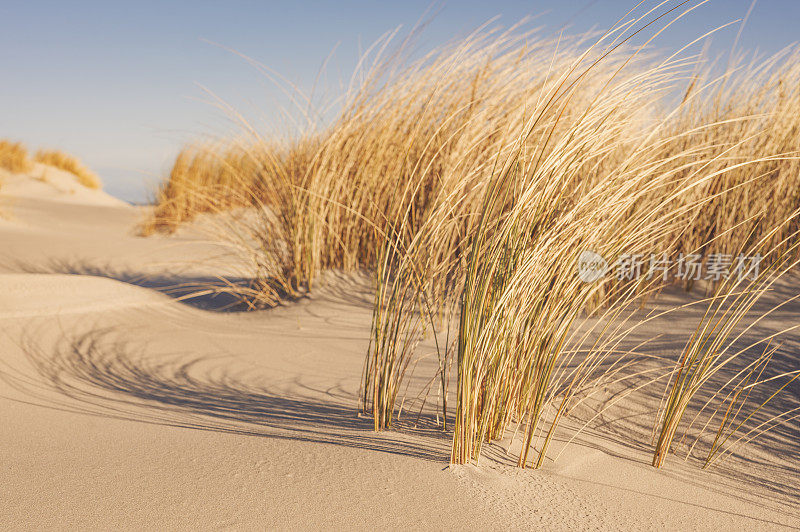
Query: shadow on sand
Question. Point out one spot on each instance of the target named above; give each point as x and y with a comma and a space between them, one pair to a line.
211, 293
105, 377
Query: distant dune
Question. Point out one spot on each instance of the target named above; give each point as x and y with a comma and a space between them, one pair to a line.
47, 182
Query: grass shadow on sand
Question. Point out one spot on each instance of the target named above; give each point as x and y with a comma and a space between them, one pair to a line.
767, 462
96, 374
99, 374
210, 293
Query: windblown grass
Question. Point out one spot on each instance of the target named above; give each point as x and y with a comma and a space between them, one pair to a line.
470, 181
204, 178
14, 157
712, 350
68, 163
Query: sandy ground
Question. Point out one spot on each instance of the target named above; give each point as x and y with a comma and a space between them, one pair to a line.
123, 405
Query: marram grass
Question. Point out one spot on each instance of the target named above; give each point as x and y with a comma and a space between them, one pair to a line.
469, 181
14, 157
68, 163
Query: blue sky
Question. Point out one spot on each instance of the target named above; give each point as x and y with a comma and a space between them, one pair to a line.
116, 83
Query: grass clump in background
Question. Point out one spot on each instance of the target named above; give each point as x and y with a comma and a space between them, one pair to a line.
68, 163
204, 177
14, 157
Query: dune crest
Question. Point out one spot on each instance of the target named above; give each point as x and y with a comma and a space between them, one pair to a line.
46, 182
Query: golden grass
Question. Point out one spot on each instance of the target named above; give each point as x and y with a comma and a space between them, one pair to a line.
469, 181
68, 163
14, 157
712, 349
203, 177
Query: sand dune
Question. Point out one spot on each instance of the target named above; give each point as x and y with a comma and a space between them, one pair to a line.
49, 183
123, 405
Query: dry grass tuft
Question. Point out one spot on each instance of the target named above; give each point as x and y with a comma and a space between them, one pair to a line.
14, 157
469, 182
715, 350
203, 178
68, 163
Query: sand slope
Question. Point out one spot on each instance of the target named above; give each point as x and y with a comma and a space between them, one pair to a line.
122, 406
54, 184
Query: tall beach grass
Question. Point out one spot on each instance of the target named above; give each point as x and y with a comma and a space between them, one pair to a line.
470, 181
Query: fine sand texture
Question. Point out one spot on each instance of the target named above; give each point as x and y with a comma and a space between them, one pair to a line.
125, 403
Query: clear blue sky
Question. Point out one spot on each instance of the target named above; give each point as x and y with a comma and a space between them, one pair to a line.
116, 83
